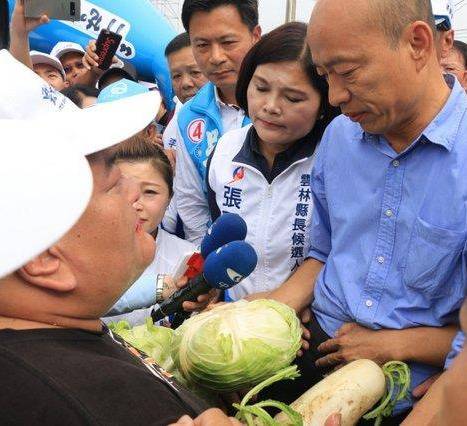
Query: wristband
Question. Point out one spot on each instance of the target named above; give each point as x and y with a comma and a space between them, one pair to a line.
159, 287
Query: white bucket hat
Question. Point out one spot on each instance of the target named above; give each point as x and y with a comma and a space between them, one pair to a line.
27, 96
44, 58
44, 188
63, 47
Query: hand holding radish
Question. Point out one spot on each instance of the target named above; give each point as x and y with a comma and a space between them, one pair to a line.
354, 342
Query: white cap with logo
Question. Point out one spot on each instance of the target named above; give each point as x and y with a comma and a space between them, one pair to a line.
63, 47
45, 58
92, 129
45, 180
443, 11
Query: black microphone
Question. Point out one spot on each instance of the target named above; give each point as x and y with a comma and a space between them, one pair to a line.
223, 269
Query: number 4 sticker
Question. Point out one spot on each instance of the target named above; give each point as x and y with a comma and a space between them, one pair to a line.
196, 130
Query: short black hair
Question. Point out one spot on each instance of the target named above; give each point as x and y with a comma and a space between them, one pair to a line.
78, 91
177, 43
283, 44
461, 47
248, 10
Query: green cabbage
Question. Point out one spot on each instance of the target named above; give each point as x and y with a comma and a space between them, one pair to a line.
154, 340
236, 345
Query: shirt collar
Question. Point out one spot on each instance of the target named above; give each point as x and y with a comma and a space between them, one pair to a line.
444, 128
221, 103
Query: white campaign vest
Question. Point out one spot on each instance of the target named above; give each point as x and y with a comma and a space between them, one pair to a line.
278, 215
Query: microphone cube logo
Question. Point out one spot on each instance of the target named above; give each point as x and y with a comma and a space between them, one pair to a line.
234, 275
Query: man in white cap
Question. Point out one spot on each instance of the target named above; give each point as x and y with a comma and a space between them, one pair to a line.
71, 56
67, 53
50, 69
443, 11
57, 361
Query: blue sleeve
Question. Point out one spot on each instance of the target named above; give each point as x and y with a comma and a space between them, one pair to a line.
141, 294
320, 229
457, 345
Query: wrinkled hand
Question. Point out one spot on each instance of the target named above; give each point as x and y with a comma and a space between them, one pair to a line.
423, 388
90, 58
305, 317
20, 25
354, 342
211, 417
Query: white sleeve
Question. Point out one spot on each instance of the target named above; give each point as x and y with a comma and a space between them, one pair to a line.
192, 205
169, 137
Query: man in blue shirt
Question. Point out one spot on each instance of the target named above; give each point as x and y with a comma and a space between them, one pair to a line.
388, 257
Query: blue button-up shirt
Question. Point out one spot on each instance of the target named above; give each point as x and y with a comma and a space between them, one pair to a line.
392, 227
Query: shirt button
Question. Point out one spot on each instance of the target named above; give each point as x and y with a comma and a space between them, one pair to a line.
369, 303
395, 163
380, 259
388, 213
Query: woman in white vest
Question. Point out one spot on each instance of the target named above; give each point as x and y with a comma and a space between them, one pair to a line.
262, 171
149, 167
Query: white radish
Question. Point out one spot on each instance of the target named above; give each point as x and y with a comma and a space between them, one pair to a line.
351, 391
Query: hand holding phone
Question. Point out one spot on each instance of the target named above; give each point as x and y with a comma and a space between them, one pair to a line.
106, 46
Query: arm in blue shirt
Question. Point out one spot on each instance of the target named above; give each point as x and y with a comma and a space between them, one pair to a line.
141, 294
320, 230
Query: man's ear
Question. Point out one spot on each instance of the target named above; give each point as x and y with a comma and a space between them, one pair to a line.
150, 131
464, 80
421, 42
257, 33
49, 271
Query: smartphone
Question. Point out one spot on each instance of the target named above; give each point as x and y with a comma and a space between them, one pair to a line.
4, 25
64, 10
106, 45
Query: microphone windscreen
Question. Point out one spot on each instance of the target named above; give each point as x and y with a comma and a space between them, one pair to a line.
226, 228
228, 265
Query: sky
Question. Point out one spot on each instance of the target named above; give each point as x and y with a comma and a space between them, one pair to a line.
272, 14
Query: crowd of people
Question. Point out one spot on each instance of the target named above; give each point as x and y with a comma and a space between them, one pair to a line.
340, 143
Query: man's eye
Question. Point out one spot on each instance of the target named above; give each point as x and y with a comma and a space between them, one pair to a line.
67, 70
348, 73
294, 100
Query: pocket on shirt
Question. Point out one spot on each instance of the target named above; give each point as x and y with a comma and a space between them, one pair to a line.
431, 259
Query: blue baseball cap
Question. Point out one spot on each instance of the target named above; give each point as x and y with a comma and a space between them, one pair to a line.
119, 90
443, 11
